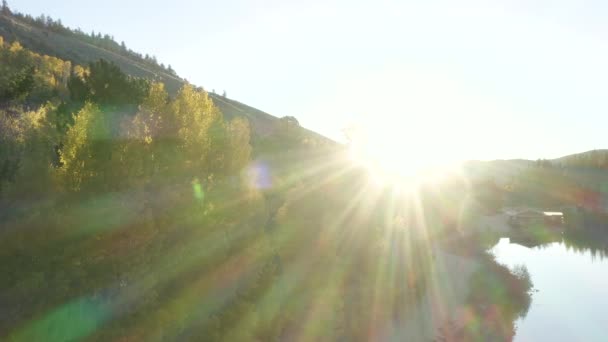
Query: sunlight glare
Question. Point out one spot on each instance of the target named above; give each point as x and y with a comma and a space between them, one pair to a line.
392, 158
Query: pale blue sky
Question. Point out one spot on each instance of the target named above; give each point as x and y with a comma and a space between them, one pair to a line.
472, 79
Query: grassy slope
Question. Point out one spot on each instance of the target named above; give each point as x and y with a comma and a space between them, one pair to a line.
76, 51
79, 52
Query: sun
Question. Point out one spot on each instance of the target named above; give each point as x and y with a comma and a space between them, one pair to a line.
392, 157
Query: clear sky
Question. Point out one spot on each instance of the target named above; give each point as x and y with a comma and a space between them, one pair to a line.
471, 79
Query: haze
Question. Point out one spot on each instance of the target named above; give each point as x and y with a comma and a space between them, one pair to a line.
473, 80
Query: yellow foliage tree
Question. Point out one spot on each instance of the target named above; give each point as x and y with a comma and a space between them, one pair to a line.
144, 153
195, 116
239, 147
83, 148
26, 149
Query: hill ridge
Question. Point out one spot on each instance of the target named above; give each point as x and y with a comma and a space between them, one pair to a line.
78, 51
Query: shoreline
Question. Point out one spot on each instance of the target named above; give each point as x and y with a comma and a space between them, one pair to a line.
446, 310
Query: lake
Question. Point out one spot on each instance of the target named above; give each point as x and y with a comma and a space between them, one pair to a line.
570, 296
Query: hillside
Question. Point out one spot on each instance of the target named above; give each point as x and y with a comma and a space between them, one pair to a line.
62, 46
502, 171
130, 211
65, 45
586, 167
169, 222
593, 157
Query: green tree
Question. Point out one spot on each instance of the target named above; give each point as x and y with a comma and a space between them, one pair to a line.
20, 84
105, 84
5, 9
77, 86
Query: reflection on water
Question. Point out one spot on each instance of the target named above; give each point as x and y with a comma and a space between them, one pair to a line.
570, 277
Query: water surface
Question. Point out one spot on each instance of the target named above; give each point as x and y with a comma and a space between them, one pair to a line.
570, 296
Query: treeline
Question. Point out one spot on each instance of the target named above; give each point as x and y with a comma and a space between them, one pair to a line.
105, 41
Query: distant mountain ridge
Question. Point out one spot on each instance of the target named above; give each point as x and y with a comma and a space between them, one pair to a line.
66, 46
591, 154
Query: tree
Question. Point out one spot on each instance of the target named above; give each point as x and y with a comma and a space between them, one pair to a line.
5, 9
11, 147
106, 85
19, 85
77, 86
84, 155
195, 115
239, 147
33, 177
41, 20
288, 126
149, 150
291, 121
63, 118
